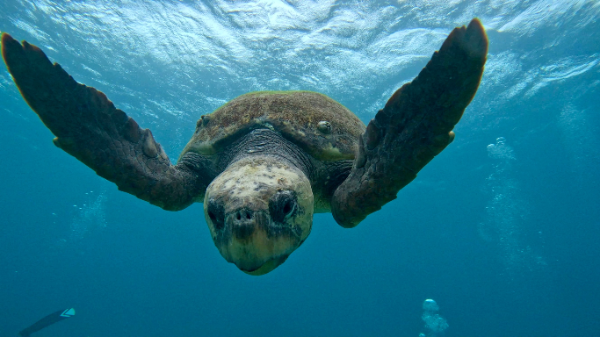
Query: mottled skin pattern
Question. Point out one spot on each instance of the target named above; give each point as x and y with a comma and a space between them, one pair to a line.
257, 223
265, 162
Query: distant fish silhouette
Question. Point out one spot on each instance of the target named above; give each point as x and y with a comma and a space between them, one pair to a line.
47, 321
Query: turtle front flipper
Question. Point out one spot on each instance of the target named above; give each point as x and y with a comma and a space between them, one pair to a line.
414, 126
89, 127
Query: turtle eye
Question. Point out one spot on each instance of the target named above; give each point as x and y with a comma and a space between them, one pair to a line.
282, 206
216, 213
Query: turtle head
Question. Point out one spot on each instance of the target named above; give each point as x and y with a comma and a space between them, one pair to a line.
259, 210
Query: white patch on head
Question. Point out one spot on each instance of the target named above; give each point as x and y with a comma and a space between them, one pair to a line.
241, 179
251, 182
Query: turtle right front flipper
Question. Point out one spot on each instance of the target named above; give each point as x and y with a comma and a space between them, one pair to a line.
414, 126
89, 127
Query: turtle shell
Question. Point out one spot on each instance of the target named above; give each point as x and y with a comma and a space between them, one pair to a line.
321, 126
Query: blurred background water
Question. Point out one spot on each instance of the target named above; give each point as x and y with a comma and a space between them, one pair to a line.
501, 229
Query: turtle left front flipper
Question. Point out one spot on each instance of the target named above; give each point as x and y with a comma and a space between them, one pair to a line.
414, 126
89, 127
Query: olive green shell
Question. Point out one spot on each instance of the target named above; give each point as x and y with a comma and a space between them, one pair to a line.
294, 114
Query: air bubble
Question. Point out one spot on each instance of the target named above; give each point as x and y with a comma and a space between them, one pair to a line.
434, 323
500, 150
430, 306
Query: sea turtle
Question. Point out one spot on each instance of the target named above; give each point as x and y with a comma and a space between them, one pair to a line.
263, 163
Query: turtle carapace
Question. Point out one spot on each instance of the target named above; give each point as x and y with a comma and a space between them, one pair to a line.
265, 162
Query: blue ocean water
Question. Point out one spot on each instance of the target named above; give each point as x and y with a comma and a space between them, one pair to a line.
501, 229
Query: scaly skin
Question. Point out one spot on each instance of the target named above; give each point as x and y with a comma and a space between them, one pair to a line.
414, 126
89, 127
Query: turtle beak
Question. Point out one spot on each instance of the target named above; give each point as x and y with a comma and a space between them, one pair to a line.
259, 210
266, 267
250, 239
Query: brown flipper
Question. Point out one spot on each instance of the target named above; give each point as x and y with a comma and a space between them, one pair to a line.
89, 127
414, 126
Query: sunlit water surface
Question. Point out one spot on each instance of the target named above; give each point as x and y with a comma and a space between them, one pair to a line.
501, 229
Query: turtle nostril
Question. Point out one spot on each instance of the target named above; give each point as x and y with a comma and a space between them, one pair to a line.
243, 226
243, 215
